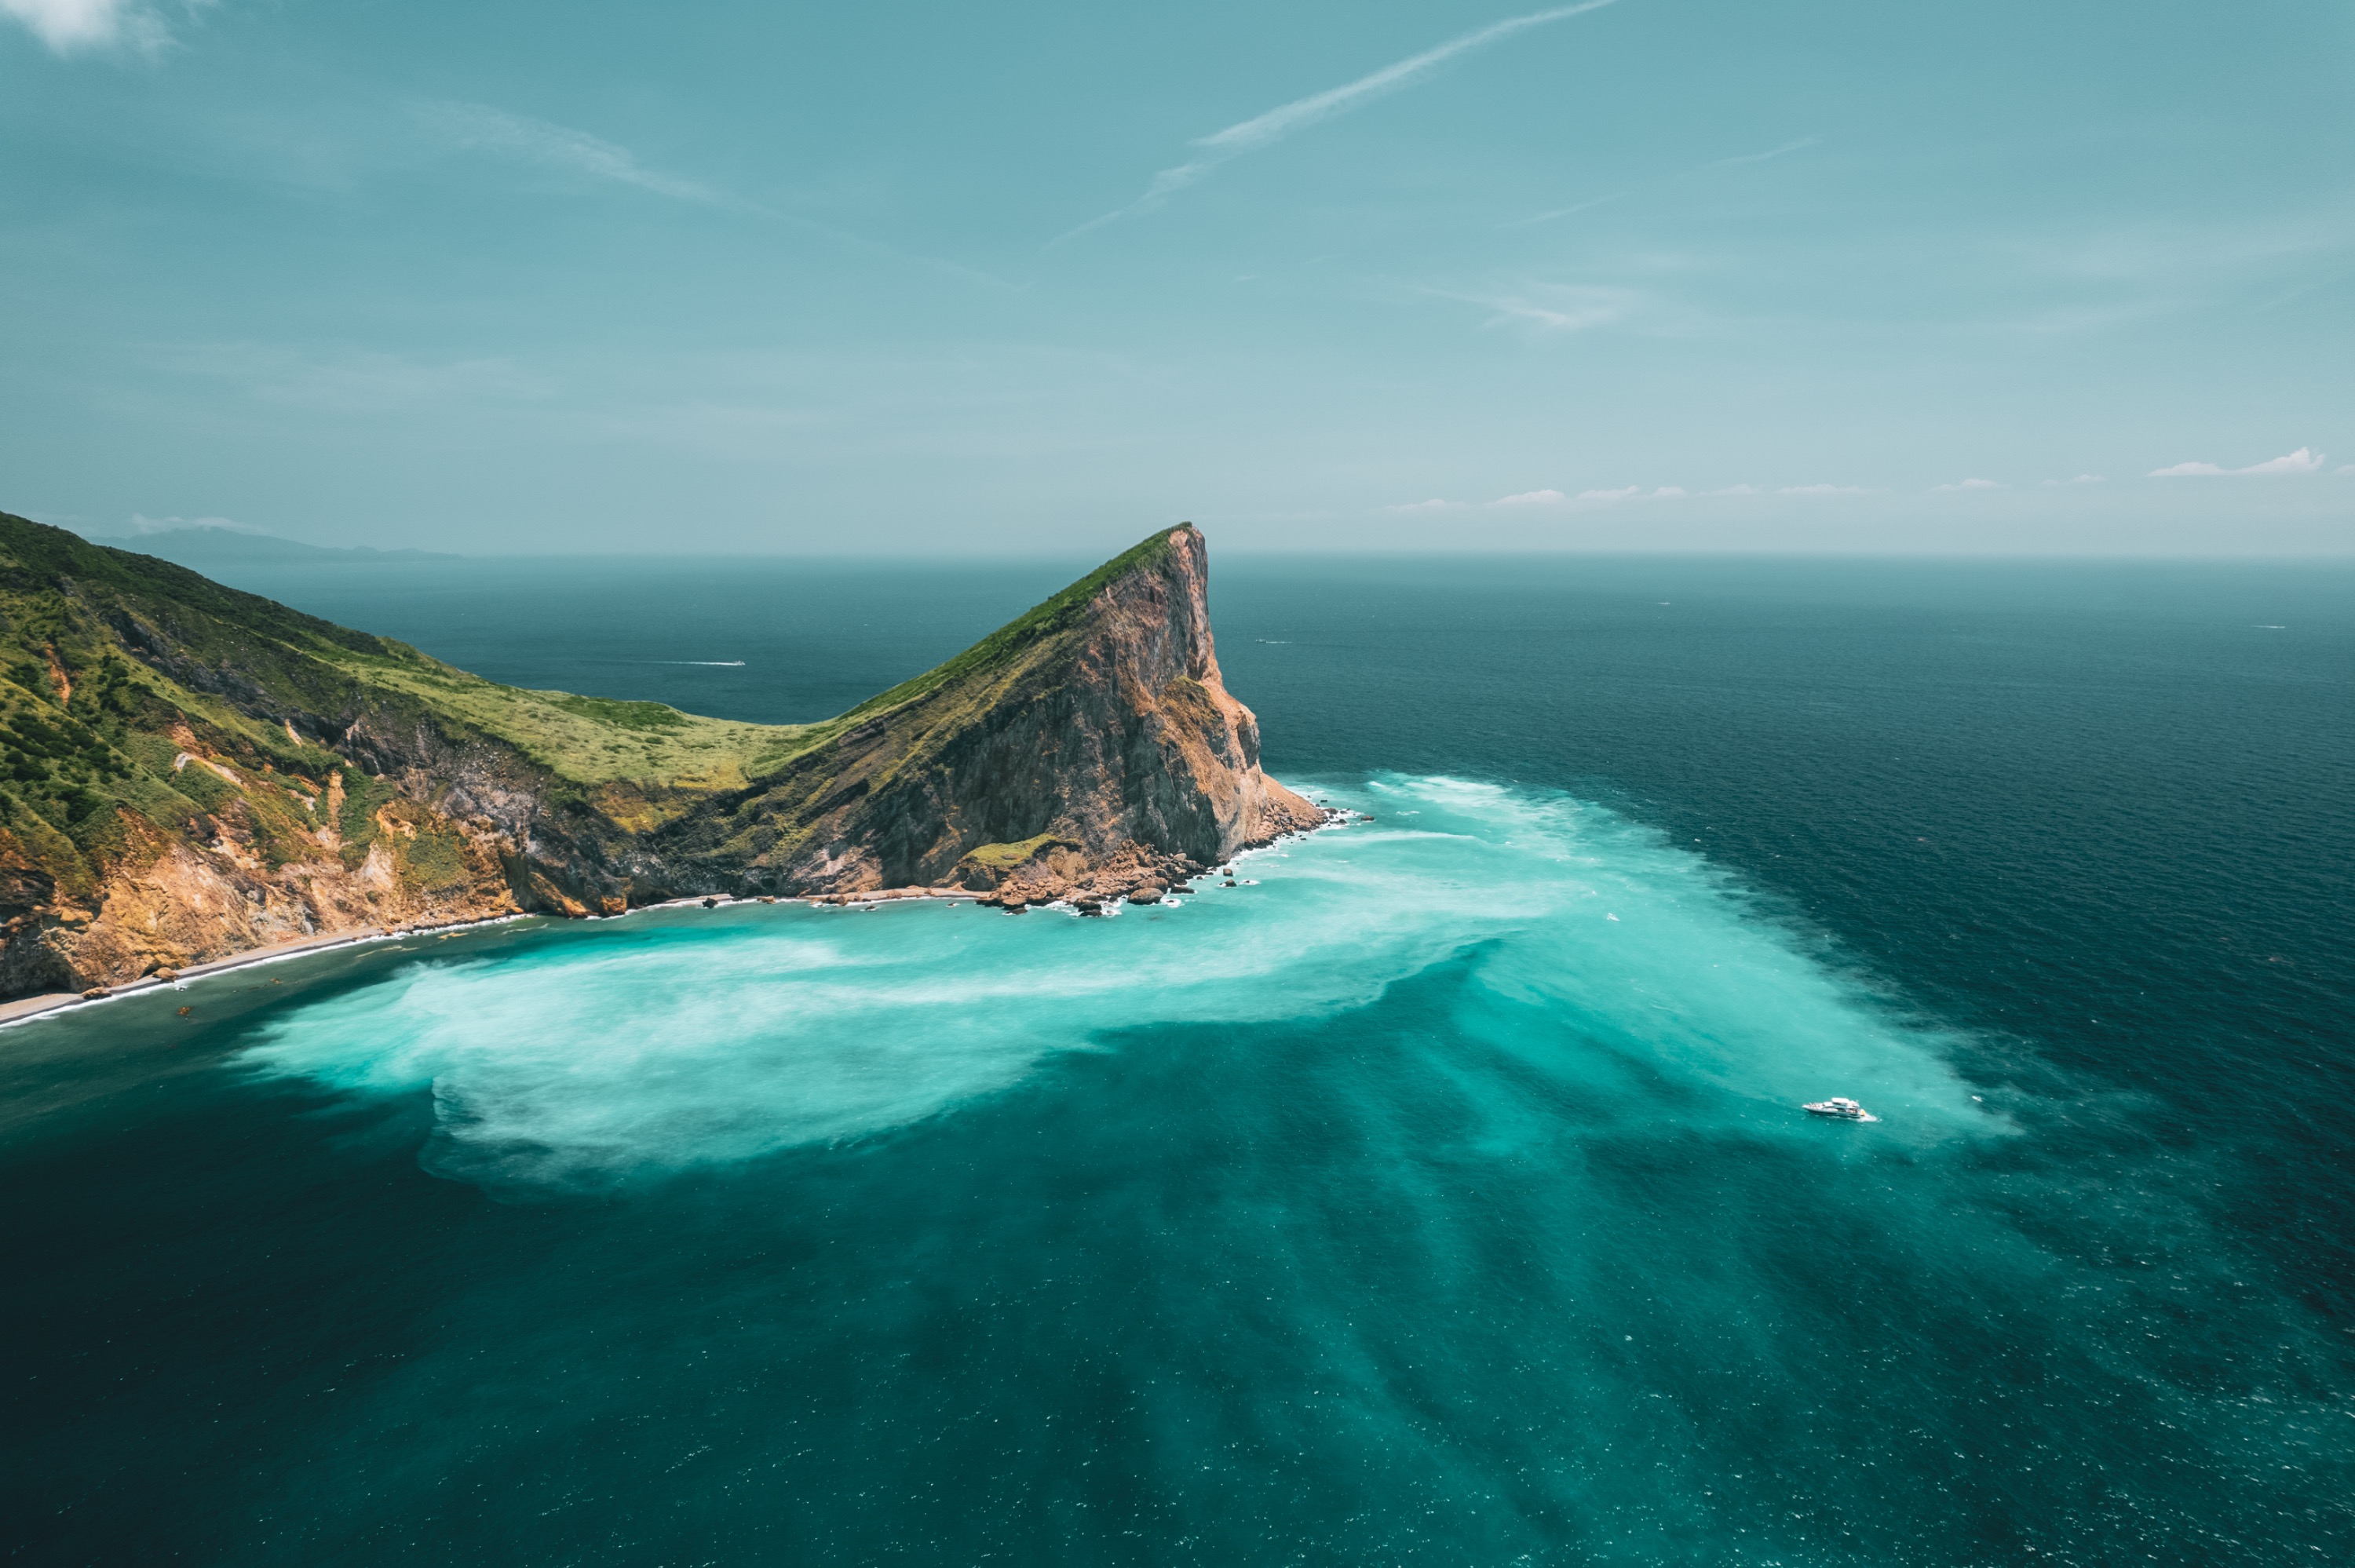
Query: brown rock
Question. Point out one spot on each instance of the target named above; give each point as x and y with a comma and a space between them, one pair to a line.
1101, 721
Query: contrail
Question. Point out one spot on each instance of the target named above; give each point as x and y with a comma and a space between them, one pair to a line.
1279, 123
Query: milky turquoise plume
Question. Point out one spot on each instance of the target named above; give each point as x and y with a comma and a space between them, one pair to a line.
1611, 965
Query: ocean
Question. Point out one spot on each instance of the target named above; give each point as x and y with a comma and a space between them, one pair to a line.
1438, 1195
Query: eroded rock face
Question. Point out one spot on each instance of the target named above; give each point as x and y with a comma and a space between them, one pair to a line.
1088, 751
1112, 746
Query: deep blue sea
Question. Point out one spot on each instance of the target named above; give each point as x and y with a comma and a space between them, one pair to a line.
1438, 1196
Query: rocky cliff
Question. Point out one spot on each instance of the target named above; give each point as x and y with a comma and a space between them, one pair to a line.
187, 772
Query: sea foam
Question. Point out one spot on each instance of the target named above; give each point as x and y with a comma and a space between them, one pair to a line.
1609, 961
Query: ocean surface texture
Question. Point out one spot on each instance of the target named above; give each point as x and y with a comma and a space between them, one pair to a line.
1438, 1195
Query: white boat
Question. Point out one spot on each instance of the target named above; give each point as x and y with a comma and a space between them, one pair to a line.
1841, 1110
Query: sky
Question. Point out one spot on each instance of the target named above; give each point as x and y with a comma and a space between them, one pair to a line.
721, 277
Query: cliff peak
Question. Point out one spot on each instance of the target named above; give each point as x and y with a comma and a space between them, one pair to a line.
1096, 725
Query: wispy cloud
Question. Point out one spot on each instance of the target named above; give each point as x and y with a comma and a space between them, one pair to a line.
1819, 489
1433, 505
1546, 307
1802, 145
1973, 484
478, 127
2080, 479
1261, 129
2306, 460
69, 26
355, 381
1561, 211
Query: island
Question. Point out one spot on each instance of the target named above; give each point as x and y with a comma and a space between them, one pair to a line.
189, 773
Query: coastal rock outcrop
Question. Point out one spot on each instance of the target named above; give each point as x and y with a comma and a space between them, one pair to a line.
188, 772
1085, 750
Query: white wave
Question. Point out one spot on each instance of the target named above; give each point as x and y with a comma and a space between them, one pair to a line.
1599, 955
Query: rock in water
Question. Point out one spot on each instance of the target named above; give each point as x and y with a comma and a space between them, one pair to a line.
196, 772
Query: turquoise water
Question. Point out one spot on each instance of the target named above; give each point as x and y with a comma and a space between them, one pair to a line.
1437, 1196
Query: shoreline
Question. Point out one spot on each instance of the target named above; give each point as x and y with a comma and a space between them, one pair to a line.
48, 1004
25, 1009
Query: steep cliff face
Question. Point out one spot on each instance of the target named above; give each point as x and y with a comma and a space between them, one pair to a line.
187, 772
1095, 736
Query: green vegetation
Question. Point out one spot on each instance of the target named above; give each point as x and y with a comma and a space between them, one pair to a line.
1002, 858
587, 740
1009, 642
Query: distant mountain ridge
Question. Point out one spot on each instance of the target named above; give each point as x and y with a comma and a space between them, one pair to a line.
188, 772
203, 545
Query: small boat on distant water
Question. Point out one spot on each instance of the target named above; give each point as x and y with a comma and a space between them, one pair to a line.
1840, 1110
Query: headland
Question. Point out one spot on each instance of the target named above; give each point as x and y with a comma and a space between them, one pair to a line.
189, 773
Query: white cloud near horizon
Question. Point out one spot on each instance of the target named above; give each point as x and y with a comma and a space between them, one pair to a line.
1584, 498
1974, 485
478, 127
2080, 479
2306, 460
1550, 497
68, 25
1261, 129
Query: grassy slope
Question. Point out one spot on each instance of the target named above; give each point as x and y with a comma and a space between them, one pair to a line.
589, 740
593, 741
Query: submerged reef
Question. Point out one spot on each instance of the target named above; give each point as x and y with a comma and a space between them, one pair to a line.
188, 772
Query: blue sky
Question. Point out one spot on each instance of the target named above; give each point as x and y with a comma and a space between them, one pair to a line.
718, 276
